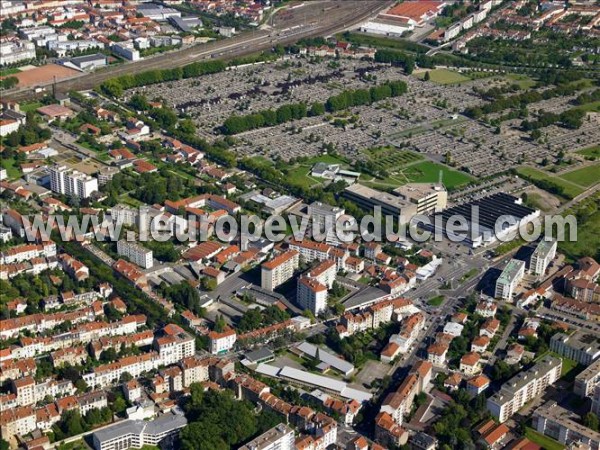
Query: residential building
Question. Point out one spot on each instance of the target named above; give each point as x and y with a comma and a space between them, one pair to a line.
138, 433
436, 354
324, 218
580, 345
136, 253
564, 426
174, 344
523, 387
543, 254
280, 437
222, 342
311, 295
279, 269
71, 182
509, 279
587, 380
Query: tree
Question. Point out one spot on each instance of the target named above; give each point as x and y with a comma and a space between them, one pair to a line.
427, 77
591, 421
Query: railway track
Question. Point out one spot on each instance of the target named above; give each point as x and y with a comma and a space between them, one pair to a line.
349, 13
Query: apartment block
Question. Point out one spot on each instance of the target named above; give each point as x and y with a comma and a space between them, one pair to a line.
564, 426
509, 279
136, 253
324, 218
279, 269
174, 344
587, 380
280, 437
523, 387
71, 182
543, 254
311, 295
222, 342
580, 345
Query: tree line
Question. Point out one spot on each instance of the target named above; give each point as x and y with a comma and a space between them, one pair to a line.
286, 113
520, 100
116, 86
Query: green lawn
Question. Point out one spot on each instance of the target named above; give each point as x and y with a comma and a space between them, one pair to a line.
383, 42
436, 301
428, 172
545, 442
588, 239
300, 174
443, 76
570, 189
30, 106
590, 107
586, 176
523, 81
11, 167
7, 72
591, 152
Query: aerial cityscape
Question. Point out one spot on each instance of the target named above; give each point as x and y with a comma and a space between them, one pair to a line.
299, 224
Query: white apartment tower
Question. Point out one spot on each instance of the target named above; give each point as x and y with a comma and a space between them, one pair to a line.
71, 182
541, 257
135, 253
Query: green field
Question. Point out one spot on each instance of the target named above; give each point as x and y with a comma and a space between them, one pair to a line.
428, 172
383, 42
571, 190
523, 81
588, 238
436, 301
590, 152
8, 72
443, 76
300, 174
586, 176
12, 169
590, 107
30, 106
543, 441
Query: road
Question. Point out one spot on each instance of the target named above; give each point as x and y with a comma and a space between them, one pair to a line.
307, 21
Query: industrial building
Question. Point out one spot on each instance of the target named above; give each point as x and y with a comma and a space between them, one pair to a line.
489, 219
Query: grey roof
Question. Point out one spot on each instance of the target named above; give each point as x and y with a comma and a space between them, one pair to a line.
268, 438
88, 58
301, 376
163, 424
325, 357
257, 355
364, 297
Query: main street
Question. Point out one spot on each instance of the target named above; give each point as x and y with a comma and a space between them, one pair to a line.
308, 20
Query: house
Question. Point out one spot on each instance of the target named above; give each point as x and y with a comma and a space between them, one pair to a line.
436, 354
477, 385
480, 344
469, 363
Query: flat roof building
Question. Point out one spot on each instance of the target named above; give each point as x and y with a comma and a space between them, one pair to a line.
138, 433
280, 437
523, 387
509, 279
541, 257
482, 216
582, 346
563, 425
